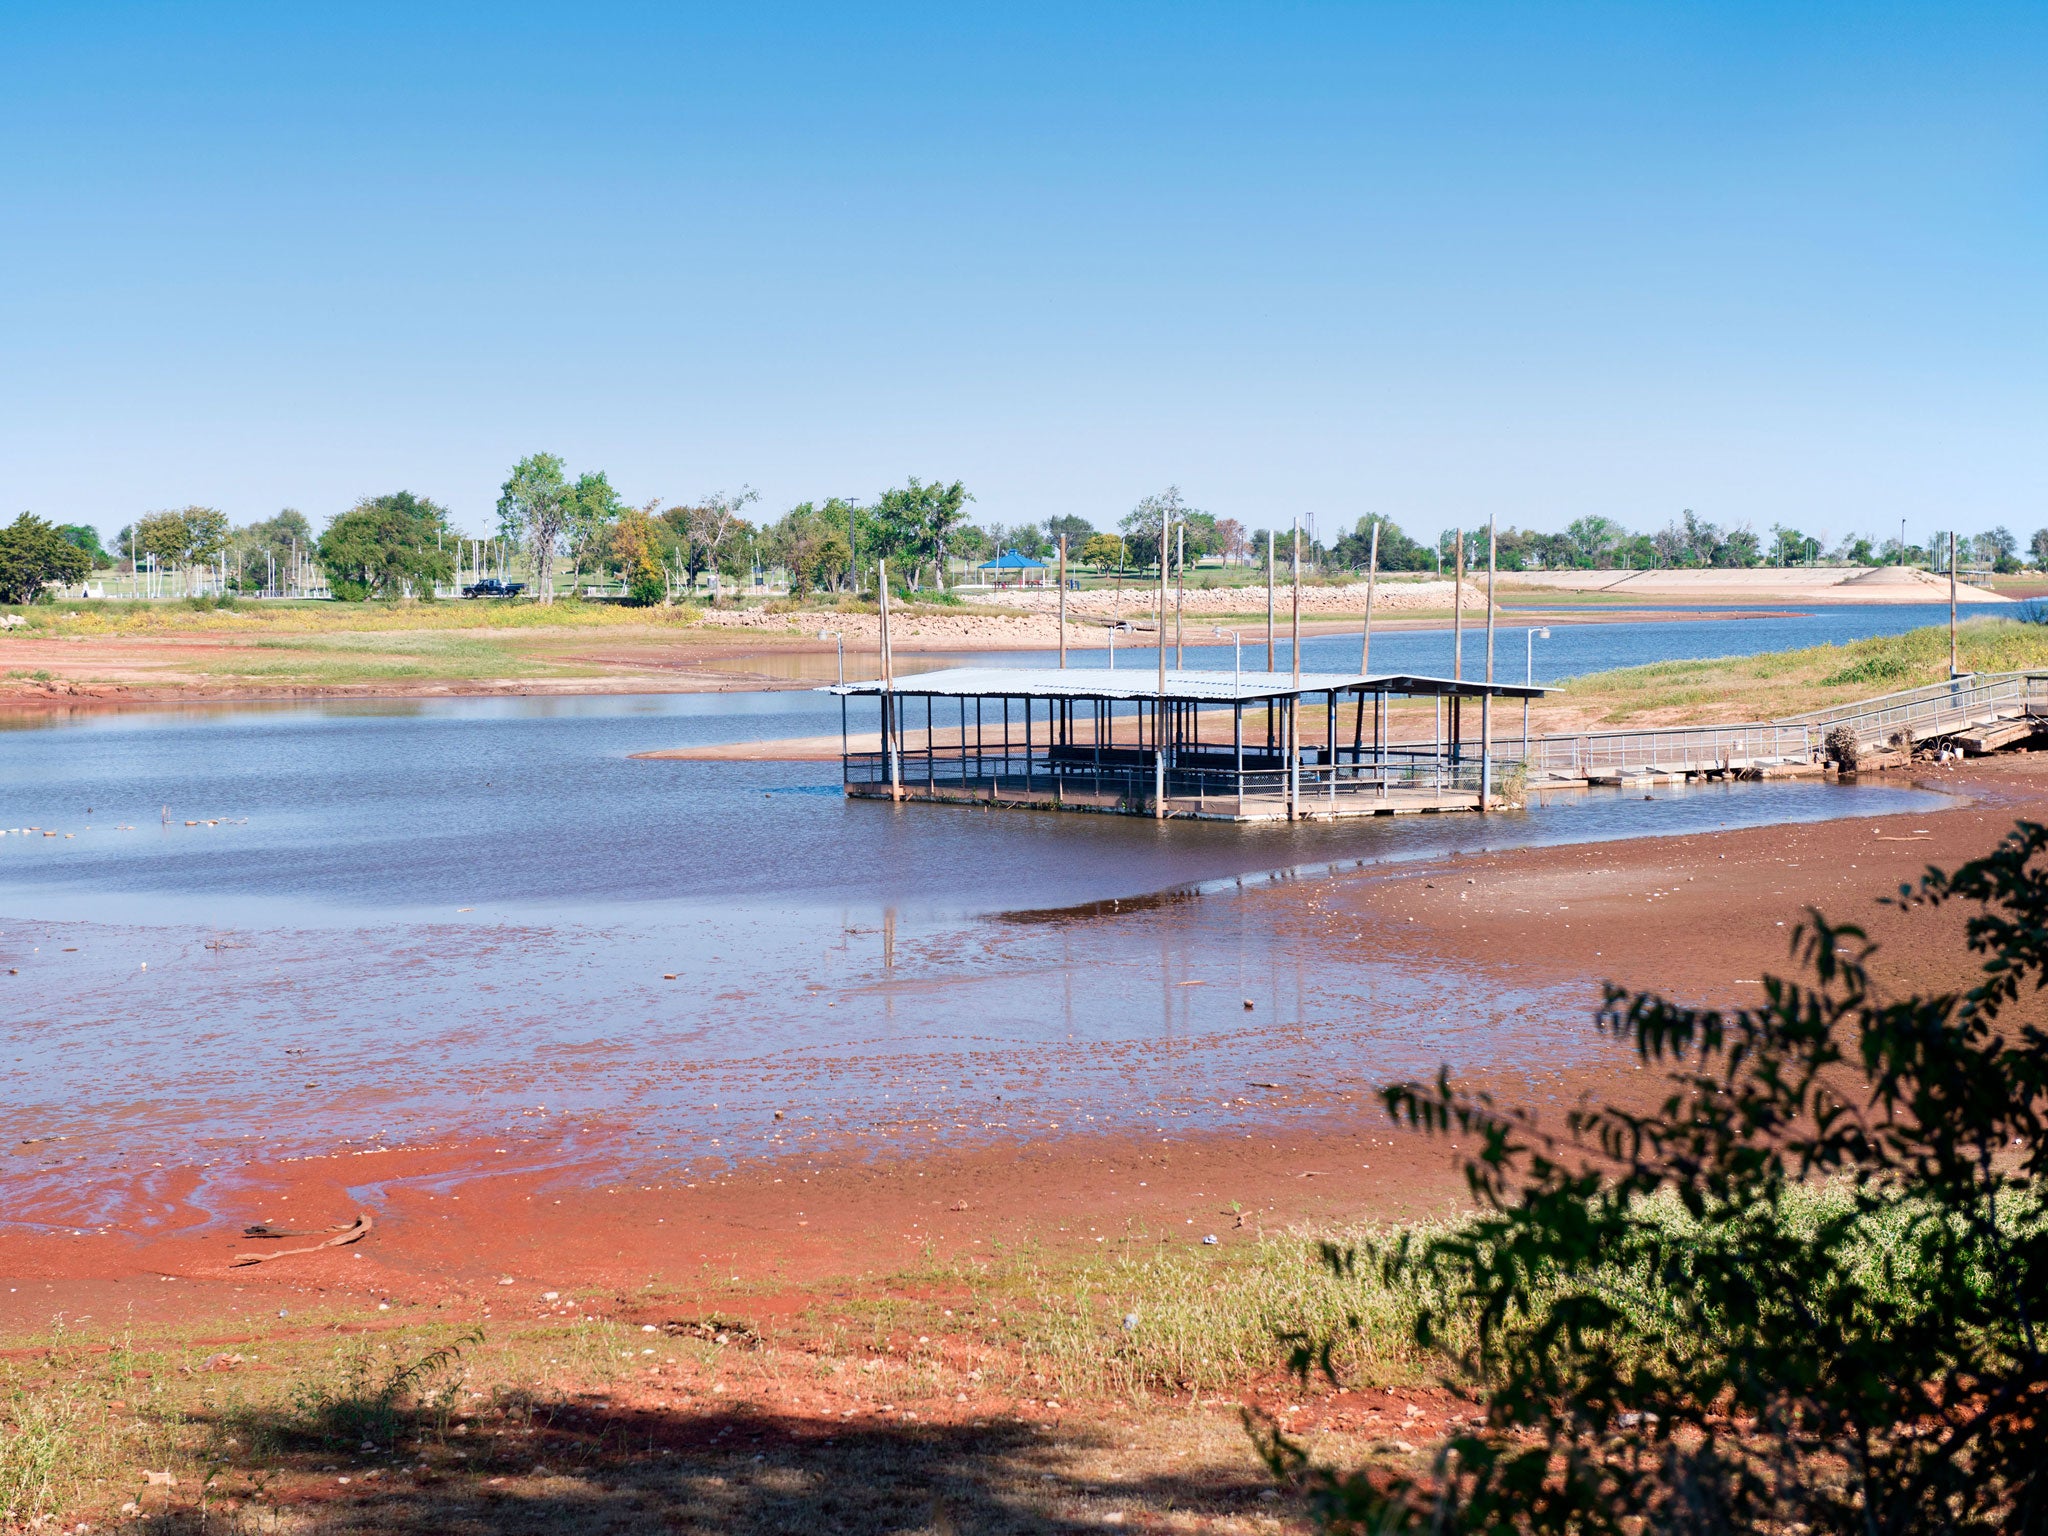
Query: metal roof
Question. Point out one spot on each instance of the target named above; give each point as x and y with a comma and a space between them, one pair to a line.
1142, 682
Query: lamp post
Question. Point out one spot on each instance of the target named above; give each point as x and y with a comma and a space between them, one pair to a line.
1114, 631
840, 636
1529, 639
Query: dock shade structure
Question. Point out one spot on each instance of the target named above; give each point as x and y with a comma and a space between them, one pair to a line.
1010, 563
1230, 746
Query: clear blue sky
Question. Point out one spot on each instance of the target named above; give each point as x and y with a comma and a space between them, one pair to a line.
1772, 262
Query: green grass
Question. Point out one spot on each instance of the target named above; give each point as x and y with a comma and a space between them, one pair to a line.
1781, 683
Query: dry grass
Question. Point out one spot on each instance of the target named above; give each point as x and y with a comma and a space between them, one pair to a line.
1000, 1396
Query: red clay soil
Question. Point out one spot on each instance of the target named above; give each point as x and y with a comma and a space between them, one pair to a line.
1702, 917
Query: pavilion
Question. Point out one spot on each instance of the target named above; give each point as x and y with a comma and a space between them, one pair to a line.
1232, 746
1010, 563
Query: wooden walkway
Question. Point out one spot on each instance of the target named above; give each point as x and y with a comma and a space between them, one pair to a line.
1975, 714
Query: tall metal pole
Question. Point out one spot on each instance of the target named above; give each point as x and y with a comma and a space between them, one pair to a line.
1486, 699
889, 690
1159, 715
1294, 624
1372, 571
1063, 602
1269, 599
1953, 671
1180, 562
1458, 610
1489, 599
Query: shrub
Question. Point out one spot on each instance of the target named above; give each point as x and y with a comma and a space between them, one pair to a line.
1803, 1293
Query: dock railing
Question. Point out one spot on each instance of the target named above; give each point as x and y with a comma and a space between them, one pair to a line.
1933, 710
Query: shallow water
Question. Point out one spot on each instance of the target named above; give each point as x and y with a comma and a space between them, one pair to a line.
458, 918
534, 810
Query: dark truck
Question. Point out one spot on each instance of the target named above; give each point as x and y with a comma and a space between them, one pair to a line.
490, 586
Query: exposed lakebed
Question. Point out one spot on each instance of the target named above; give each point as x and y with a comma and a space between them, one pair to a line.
459, 919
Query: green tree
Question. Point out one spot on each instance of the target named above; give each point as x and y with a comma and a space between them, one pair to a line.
636, 543
1805, 1292
1740, 549
720, 534
533, 507
85, 537
269, 547
1593, 540
1398, 552
1103, 551
918, 520
1076, 530
186, 540
34, 555
592, 508
387, 546
810, 544
1143, 524
1997, 549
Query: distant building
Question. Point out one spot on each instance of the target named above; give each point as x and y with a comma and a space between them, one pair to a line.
1019, 568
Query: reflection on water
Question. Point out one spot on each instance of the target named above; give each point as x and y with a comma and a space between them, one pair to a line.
432, 918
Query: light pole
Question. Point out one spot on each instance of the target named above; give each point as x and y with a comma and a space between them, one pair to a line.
1114, 631
840, 636
1529, 639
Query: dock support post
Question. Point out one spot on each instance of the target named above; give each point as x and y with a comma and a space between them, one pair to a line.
1237, 748
1486, 752
1330, 748
1290, 731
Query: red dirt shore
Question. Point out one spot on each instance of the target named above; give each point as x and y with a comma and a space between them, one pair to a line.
1701, 917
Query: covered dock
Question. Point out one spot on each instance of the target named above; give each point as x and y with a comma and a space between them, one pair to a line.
1232, 746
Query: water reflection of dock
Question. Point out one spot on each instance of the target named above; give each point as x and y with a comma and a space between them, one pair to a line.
1233, 746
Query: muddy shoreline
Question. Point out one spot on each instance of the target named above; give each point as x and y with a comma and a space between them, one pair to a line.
1701, 916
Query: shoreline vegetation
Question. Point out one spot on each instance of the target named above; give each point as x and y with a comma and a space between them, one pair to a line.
1020, 1381
109, 654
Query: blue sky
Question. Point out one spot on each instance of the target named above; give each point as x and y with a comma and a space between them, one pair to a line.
1774, 263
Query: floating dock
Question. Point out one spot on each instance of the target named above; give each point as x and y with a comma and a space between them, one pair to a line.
1223, 746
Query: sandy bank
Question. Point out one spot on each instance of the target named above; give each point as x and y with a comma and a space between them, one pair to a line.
1822, 584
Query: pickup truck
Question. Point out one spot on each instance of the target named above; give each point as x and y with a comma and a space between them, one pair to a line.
490, 586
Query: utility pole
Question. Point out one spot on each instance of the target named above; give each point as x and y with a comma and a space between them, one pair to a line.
1269, 599
1063, 605
1180, 562
1953, 671
1294, 624
1372, 571
1458, 610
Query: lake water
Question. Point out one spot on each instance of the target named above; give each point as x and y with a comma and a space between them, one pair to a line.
1574, 647
402, 919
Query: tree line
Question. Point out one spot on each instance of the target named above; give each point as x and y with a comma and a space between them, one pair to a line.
400, 544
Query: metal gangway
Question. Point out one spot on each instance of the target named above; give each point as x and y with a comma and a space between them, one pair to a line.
1980, 711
